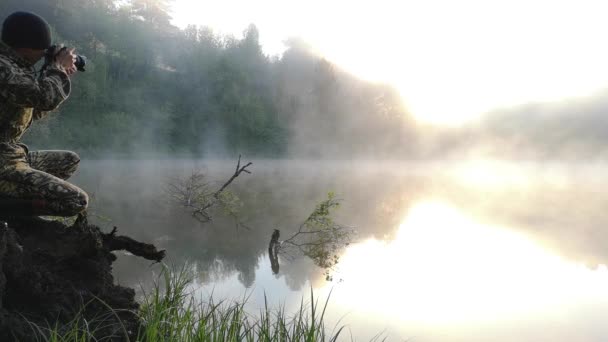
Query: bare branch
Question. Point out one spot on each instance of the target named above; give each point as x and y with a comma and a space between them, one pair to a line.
237, 172
147, 251
195, 194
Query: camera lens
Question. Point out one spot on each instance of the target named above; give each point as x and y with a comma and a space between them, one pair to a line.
80, 62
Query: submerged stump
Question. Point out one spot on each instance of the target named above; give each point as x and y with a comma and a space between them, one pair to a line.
51, 273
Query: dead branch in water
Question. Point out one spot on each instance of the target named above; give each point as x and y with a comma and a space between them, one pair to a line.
195, 195
147, 251
237, 172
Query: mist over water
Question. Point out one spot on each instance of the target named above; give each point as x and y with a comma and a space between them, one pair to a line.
451, 244
445, 251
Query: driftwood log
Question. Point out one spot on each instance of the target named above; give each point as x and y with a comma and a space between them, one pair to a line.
50, 272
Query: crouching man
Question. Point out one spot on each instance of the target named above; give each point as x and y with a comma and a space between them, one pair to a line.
33, 183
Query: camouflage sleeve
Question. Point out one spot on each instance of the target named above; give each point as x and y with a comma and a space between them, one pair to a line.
23, 88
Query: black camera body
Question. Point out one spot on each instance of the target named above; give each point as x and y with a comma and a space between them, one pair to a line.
51, 53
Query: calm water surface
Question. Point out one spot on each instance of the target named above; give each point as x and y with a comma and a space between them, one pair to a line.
465, 251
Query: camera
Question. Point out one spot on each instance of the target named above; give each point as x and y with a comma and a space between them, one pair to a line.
51, 53
80, 62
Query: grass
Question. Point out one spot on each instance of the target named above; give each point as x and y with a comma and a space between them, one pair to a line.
170, 313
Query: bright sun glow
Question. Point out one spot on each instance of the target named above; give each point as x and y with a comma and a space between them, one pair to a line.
488, 174
451, 60
443, 268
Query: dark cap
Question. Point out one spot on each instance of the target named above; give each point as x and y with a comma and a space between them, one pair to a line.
26, 30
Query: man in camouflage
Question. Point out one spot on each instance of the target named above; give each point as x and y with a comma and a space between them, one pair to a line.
33, 183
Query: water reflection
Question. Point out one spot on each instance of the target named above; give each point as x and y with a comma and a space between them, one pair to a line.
273, 251
449, 277
484, 250
446, 268
561, 207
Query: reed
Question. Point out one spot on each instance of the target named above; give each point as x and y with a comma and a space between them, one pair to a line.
170, 313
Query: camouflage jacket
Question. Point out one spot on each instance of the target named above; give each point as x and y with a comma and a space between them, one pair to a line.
25, 96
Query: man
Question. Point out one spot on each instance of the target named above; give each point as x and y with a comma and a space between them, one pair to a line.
33, 183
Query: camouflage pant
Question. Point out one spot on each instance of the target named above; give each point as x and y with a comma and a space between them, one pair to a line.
38, 181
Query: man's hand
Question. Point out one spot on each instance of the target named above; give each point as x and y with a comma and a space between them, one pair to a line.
65, 59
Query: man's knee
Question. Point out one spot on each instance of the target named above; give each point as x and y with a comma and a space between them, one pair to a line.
72, 158
73, 205
68, 164
82, 202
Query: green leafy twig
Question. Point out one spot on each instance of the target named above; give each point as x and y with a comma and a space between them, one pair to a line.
319, 237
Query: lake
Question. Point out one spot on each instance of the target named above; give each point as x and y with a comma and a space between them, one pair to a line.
445, 251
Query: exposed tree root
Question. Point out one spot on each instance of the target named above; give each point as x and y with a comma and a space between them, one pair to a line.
50, 272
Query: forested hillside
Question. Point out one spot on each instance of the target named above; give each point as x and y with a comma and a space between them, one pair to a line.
152, 89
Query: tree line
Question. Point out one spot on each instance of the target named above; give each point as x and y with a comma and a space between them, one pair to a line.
151, 88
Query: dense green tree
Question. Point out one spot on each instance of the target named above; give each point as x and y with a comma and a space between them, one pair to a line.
153, 88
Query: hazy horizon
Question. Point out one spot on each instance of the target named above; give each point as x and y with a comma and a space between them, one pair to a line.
451, 62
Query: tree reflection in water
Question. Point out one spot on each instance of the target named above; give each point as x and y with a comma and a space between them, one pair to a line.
377, 196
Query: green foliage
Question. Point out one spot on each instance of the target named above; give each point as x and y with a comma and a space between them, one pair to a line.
151, 87
320, 238
325, 238
169, 313
230, 203
194, 194
320, 218
81, 329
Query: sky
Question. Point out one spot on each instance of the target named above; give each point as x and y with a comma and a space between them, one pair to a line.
450, 60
